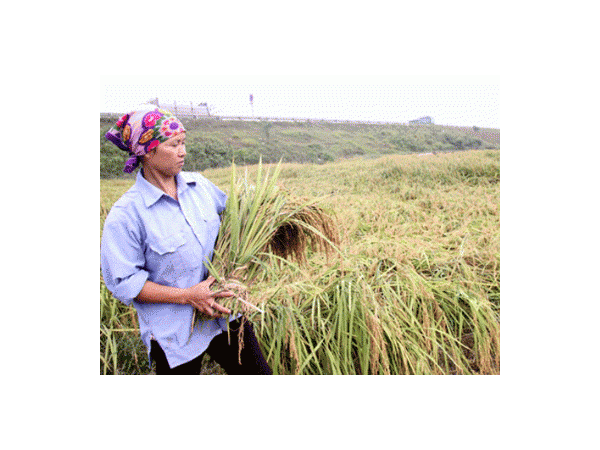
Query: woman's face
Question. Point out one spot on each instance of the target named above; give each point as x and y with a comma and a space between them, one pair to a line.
168, 157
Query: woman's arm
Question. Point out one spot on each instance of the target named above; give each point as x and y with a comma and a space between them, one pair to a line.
199, 296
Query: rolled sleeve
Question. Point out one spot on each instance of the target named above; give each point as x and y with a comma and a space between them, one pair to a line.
126, 290
122, 260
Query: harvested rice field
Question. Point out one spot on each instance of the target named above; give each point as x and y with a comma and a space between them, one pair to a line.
409, 284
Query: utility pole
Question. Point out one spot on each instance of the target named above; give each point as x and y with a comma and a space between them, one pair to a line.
252, 104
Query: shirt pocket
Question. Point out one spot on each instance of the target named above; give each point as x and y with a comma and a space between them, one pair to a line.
163, 258
164, 246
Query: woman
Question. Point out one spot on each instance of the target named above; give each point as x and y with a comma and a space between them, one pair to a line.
155, 240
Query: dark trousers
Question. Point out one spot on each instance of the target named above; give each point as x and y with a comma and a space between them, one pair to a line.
224, 350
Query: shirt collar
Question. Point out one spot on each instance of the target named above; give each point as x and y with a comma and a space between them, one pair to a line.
184, 180
151, 194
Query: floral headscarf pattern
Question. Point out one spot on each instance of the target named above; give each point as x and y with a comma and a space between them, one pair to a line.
141, 131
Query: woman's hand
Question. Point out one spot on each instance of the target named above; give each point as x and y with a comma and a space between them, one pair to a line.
199, 296
203, 299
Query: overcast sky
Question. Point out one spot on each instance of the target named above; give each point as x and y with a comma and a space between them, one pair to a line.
461, 101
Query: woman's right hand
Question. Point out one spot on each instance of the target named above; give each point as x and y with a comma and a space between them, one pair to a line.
204, 300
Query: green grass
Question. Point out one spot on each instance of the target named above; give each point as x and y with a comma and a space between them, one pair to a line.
416, 289
214, 143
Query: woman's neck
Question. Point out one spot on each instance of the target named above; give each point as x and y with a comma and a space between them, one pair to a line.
167, 184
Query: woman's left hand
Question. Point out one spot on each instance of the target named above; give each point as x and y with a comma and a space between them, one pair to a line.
204, 300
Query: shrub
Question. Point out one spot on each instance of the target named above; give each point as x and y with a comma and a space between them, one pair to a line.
204, 153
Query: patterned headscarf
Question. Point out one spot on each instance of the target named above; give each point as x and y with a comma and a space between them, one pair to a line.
141, 131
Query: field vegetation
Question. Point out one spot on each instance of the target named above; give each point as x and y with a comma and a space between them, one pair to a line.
414, 287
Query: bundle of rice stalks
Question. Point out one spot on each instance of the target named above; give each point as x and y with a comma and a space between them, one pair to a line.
261, 220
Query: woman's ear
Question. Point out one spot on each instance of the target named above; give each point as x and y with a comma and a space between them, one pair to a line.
148, 156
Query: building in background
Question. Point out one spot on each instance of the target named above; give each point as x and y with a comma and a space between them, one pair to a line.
422, 121
183, 110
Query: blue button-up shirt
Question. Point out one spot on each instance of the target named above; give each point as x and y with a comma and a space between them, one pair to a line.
149, 235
